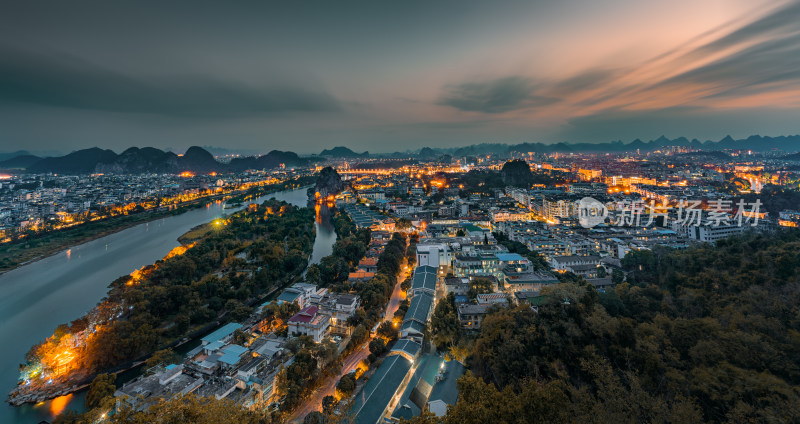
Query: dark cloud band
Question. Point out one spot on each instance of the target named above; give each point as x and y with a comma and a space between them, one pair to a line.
63, 81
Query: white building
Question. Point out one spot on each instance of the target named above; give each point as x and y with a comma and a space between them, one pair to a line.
433, 254
563, 263
710, 234
310, 322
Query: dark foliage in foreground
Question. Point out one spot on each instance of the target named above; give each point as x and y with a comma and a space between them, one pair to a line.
706, 334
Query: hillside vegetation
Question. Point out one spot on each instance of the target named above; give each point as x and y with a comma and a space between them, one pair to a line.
707, 334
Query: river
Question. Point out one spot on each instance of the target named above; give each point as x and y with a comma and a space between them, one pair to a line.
41, 295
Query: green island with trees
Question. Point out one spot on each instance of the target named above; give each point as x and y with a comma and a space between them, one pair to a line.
39, 245
250, 254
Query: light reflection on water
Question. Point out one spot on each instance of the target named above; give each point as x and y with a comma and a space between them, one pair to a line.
39, 296
60, 403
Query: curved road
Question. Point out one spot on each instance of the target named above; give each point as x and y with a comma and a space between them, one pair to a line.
314, 403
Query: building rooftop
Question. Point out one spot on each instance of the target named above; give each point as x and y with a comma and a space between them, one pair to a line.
234, 349
306, 315
407, 346
446, 388
530, 277
289, 296
510, 257
424, 278
380, 389
419, 308
221, 333
346, 299
413, 325
574, 258
472, 309
229, 358
415, 396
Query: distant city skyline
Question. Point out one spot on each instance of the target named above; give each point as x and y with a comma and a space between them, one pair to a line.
388, 77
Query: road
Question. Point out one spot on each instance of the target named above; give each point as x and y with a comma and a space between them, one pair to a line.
397, 295
314, 403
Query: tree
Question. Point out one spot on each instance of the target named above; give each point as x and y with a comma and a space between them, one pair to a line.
328, 404
162, 357
241, 313
445, 326
659, 347
314, 417
189, 409
360, 333
101, 388
479, 285
313, 274
325, 351
617, 276
377, 347
387, 330
240, 337
346, 385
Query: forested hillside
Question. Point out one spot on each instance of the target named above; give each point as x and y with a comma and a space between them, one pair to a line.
706, 334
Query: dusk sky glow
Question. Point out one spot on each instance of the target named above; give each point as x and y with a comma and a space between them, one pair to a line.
392, 76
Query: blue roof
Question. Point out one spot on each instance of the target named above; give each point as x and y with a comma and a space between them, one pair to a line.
379, 390
222, 332
229, 358
414, 398
446, 390
214, 345
289, 296
413, 325
407, 346
424, 278
420, 308
235, 349
509, 257
425, 268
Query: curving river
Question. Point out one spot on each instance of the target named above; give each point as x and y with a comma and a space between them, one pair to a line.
60, 288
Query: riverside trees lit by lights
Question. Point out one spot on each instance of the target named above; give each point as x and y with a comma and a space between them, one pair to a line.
160, 303
62, 220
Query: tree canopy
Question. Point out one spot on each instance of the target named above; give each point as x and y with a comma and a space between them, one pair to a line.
708, 334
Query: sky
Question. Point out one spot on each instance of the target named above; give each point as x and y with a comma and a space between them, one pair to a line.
393, 76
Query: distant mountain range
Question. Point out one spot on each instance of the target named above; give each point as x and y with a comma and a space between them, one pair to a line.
11, 155
756, 143
19, 162
37, 153
146, 160
343, 152
199, 160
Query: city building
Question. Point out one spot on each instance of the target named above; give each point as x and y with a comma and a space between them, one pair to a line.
310, 322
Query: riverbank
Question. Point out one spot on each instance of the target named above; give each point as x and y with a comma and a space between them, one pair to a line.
29, 250
111, 336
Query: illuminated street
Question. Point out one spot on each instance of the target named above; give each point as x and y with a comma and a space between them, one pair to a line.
328, 387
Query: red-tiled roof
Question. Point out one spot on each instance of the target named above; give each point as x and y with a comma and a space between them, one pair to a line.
368, 262
305, 315
360, 275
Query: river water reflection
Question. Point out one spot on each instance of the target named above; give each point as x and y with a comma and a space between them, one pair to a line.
39, 296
